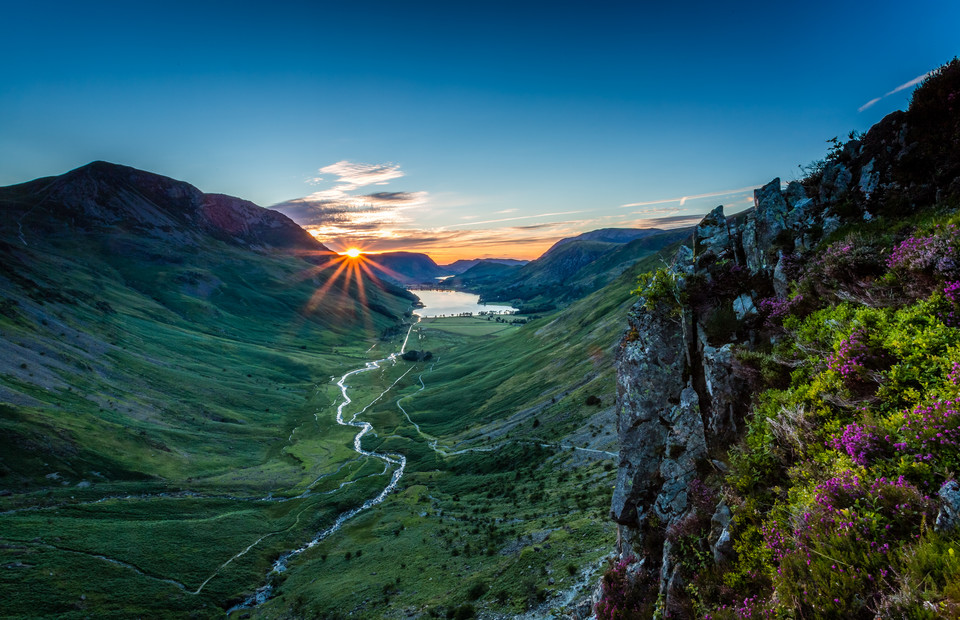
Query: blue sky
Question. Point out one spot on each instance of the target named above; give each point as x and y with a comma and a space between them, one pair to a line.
457, 128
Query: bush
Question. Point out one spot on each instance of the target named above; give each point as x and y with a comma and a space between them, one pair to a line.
625, 595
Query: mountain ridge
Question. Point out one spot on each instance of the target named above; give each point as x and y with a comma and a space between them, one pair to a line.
103, 194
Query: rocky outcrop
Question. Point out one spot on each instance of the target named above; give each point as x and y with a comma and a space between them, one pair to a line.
682, 396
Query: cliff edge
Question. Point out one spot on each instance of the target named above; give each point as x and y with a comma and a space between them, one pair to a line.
760, 367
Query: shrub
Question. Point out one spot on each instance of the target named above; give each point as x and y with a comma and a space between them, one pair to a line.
835, 557
625, 595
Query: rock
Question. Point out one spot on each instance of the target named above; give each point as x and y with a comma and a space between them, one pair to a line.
830, 224
835, 182
794, 194
720, 465
651, 364
743, 306
722, 547
948, 518
685, 445
869, 179
781, 285
712, 239
417, 356
723, 386
801, 216
749, 243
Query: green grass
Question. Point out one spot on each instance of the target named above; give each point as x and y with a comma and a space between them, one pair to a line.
470, 326
189, 415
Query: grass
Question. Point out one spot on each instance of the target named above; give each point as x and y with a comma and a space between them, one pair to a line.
156, 438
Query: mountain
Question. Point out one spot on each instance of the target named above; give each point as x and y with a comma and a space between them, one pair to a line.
406, 267
609, 235
482, 273
129, 298
103, 196
788, 393
459, 266
572, 267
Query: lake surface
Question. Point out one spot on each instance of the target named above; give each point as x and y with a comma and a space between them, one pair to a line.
447, 303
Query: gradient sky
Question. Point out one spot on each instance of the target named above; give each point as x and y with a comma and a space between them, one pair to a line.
462, 129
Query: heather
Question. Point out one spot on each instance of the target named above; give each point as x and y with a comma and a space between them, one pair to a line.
833, 493
840, 470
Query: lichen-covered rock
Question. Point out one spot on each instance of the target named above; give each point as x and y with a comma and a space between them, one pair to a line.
724, 388
763, 224
722, 545
869, 179
949, 516
836, 181
794, 194
651, 363
712, 239
743, 306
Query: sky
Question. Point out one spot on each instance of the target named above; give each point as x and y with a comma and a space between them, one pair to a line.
461, 129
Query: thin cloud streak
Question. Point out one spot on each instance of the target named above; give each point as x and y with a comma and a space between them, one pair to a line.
683, 199
510, 219
896, 90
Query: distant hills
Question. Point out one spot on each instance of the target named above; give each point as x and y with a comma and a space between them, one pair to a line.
462, 265
419, 268
570, 269
406, 267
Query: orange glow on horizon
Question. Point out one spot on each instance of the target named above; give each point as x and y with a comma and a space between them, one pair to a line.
352, 252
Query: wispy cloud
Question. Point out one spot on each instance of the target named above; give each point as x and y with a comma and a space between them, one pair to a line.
903, 86
512, 219
869, 104
341, 210
682, 200
352, 175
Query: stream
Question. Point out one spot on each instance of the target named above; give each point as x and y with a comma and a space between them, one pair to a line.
398, 461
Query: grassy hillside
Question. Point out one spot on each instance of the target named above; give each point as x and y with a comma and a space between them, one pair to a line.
572, 269
509, 473
167, 430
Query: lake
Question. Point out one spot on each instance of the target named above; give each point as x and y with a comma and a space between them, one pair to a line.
447, 303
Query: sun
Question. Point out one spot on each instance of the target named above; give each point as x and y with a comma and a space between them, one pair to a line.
352, 252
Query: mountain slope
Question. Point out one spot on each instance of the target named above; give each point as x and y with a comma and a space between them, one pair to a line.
115, 280
573, 267
460, 266
101, 196
406, 267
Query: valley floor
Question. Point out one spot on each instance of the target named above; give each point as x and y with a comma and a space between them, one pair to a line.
493, 514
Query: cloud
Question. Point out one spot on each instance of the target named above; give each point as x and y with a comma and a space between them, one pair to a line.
670, 221
352, 175
896, 90
341, 211
682, 200
511, 219
868, 104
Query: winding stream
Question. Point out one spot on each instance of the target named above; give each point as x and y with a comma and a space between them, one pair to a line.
398, 461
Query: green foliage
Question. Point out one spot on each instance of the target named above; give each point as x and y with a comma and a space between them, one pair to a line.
834, 477
662, 286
